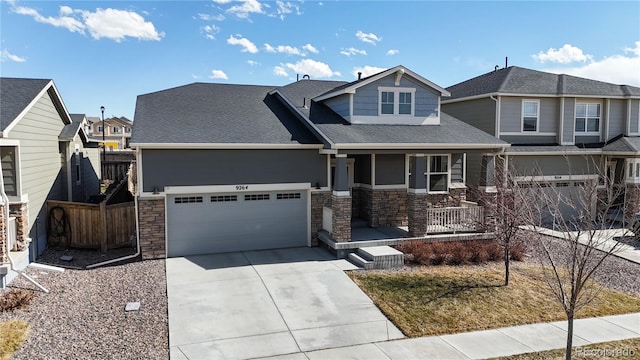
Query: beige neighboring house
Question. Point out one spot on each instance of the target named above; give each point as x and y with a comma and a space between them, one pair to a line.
117, 132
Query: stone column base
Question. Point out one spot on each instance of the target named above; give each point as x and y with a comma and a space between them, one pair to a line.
417, 205
151, 222
341, 218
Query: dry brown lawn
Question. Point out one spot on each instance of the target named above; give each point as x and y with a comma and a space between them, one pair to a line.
12, 334
619, 350
447, 299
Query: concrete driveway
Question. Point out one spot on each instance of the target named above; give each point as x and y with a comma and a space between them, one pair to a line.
267, 303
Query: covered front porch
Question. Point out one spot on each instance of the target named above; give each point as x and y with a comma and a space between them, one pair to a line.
376, 200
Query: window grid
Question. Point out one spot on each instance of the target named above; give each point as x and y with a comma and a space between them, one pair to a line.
387, 101
530, 115
255, 197
438, 173
188, 199
224, 198
404, 103
587, 117
286, 196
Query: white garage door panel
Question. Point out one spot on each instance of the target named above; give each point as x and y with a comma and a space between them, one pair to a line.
198, 224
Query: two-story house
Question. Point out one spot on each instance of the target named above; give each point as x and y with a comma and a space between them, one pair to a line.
45, 155
257, 167
563, 130
117, 132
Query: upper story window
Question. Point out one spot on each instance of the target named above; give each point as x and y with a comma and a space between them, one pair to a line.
396, 101
127, 129
588, 117
116, 129
530, 115
99, 129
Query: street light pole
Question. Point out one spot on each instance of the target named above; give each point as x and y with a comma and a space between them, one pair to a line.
104, 147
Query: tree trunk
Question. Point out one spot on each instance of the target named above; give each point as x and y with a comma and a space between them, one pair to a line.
569, 336
507, 262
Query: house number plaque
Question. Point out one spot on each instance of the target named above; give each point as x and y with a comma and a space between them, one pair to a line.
242, 187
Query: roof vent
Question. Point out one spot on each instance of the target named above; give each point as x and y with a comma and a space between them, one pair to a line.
306, 76
359, 75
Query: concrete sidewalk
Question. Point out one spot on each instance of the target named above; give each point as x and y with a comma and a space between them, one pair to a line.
488, 343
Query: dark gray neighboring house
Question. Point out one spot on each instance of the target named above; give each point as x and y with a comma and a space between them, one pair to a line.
40, 145
243, 167
563, 129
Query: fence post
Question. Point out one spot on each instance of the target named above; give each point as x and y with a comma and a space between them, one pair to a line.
103, 217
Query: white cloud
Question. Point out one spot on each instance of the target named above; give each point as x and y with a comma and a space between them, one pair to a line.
210, 31
393, 52
218, 74
370, 38
564, 55
222, 1
207, 17
352, 51
616, 69
246, 44
246, 8
107, 23
310, 48
253, 63
286, 8
280, 71
313, 68
367, 71
5, 55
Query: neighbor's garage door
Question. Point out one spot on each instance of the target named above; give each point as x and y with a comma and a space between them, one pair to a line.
569, 196
225, 222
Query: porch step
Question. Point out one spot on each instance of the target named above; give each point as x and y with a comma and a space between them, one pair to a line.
357, 260
377, 257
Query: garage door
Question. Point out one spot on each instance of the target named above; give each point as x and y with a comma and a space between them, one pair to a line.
225, 222
569, 196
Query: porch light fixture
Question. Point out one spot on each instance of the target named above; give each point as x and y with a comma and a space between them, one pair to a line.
156, 191
104, 147
317, 185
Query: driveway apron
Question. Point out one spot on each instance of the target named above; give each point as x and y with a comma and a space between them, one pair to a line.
266, 303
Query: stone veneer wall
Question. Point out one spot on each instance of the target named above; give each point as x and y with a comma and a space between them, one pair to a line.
417, 205
151, 222
19, 211
341, 218
318, 201
632, 200
453, 198
3, 238
385, 207
488, 201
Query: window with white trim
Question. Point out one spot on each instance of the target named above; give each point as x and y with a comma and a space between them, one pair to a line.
588, 118
100, 129
530, 115
396, 101
116, 129
438, 173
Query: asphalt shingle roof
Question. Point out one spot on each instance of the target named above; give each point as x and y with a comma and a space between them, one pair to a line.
69, 131
517, 80
15, 95
624, 144
216, 113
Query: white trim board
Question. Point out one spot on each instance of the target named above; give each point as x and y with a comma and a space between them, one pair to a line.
239, 188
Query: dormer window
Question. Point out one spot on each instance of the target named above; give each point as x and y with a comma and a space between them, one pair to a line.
396, 101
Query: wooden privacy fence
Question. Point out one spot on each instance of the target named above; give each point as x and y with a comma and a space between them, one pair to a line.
93, 226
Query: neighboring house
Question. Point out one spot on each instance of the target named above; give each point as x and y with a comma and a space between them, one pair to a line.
117, 132
45, 156
256, 167
564, 130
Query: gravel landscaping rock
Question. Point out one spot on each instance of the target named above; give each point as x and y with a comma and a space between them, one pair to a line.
83, 316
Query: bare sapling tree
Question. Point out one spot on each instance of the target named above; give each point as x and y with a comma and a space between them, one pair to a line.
507, 204
576, 210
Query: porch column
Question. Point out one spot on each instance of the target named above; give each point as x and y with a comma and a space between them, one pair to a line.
488, 171
341, 201
489, 191
417, 200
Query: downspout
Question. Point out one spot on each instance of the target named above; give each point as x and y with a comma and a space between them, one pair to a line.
497, 123
12, 266
127, 257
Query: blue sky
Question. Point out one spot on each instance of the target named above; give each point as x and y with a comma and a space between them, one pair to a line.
108, 52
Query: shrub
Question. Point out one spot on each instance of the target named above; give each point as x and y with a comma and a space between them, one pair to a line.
15, 299
458, 252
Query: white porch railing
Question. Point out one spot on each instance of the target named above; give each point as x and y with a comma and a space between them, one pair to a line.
455, 219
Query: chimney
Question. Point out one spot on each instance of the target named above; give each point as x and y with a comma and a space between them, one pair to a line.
359, 75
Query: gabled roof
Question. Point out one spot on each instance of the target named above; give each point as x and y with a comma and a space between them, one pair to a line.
16, 95
351, 87
520, 81
627, 145
70, 131
206, 113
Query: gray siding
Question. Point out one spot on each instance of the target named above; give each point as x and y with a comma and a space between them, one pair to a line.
339, 104
457, 167
569, 120
617, 118
365, 101
162, 168
362, 171
532, 140
480, 113
594, 139
390, 169
40, 162
511, 116
635, 116
474, 168
554, 165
